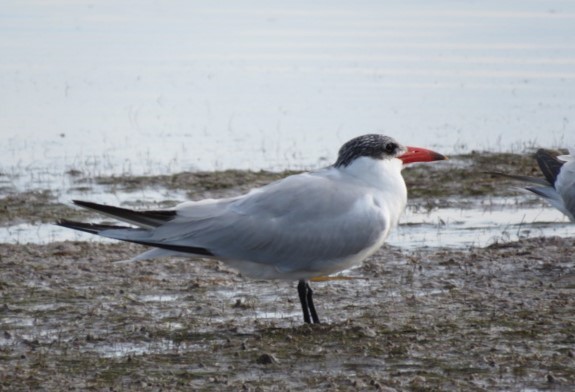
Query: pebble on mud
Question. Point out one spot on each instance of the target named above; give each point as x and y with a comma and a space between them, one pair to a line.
266, 359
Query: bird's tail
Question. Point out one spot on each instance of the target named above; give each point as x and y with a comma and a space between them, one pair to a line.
144, 234
149, 219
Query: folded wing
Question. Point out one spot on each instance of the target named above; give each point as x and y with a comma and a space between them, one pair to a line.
291, 224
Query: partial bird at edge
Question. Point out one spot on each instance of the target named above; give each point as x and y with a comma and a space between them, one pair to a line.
558, 186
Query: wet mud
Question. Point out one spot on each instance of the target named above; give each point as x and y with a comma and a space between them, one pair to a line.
493, 318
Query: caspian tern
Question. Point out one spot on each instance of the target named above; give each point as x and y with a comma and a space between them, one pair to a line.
558, 187
302, 227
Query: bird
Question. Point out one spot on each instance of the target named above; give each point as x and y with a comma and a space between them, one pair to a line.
558, 186
304, 226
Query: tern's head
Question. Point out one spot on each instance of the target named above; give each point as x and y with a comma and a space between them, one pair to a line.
382, 147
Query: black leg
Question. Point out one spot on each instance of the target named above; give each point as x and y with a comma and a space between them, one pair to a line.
310, 304
306, 299
301, 290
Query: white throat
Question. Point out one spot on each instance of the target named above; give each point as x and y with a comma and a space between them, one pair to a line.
384, 174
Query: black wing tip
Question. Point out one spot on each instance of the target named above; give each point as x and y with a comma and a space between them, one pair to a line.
549, 164
67, 223
92, 228
545, 152
150, 217
195, 250
548, 156
85, 227
90, 204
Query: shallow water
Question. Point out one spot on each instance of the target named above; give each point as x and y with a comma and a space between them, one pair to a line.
460, 223
113, 88
481, 222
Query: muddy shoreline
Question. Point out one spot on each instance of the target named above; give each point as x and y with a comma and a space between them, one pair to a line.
495, 318
490, 318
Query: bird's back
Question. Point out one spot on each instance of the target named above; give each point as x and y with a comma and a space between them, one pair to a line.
301, 223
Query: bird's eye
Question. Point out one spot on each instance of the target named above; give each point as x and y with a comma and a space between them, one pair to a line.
390, 147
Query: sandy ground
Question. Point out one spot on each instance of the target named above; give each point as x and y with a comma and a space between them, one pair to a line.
496, 318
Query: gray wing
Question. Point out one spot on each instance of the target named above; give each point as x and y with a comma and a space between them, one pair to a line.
550, 195
565, 186
291, 223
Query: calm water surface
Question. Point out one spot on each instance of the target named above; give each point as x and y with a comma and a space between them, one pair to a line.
155, 87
